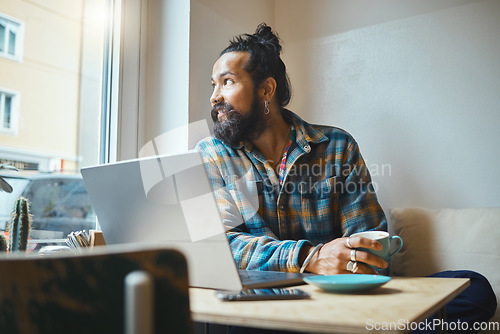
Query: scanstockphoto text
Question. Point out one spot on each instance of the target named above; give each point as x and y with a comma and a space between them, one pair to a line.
431, 325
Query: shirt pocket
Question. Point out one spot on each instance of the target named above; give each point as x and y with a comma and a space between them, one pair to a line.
318, 206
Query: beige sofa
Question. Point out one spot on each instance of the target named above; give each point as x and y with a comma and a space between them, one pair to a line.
448, 239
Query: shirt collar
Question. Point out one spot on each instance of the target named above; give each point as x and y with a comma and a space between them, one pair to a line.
306, 133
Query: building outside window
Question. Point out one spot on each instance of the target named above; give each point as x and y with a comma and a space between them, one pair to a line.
8, 112
11, 37
51, 109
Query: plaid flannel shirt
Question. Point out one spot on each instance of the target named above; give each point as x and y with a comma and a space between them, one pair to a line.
326, 194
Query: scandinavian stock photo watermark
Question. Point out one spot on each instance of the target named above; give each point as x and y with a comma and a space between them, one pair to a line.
431, 325
182, 181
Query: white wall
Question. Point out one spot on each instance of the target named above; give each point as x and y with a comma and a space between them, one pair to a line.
415, 82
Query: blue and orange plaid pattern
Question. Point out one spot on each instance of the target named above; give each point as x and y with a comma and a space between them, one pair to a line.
326, 194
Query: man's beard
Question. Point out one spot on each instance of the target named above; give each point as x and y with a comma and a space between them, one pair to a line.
236, 127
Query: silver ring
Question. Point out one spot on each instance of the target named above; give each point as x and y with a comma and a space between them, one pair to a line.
355, 268
347, 243
353, 255
350, 266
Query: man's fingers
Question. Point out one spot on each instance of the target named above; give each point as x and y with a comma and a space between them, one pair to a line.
363, 256
364, 269
357, 242
334, 256
368, 258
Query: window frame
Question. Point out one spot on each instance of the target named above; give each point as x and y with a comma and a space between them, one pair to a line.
126, 67
141, 96
13, 24
14, 111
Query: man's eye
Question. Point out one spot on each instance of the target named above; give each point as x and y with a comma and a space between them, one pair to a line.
228, 81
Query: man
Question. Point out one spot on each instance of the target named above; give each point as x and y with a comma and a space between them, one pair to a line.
253, 132
290, 193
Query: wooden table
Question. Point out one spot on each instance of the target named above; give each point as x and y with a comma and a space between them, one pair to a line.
394, 304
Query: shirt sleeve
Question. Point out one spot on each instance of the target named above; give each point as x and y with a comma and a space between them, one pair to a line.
263, 252
359, 206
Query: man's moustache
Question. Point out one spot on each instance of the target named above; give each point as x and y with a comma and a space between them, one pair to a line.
225, 107
218, 108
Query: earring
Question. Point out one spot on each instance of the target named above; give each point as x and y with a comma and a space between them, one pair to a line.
266, 107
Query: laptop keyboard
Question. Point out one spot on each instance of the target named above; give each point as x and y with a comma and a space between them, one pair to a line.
257, 274
248, 276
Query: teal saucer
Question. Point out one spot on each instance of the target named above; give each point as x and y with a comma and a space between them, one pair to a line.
348, 282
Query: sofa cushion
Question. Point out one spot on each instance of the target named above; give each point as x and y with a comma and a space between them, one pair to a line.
448, 239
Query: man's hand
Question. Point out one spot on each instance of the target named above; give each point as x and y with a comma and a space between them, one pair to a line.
332, 258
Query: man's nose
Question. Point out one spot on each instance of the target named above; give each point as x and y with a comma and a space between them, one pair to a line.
216, 97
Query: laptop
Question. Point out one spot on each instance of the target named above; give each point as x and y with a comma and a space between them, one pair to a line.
168, 200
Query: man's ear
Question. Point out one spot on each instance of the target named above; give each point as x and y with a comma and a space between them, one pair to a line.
268, 88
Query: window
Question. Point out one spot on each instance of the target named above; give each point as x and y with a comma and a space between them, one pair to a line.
56, 129
11, 37
8, 112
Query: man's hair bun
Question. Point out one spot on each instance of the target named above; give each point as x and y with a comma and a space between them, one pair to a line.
266, 36
264, 49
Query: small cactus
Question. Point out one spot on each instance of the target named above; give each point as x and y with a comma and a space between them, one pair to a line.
20, 225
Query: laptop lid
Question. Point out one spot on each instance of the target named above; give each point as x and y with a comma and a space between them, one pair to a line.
169, 200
